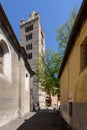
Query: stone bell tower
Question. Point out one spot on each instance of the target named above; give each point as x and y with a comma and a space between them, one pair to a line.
32, 38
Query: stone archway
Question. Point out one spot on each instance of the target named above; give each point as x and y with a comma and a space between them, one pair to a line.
5, 57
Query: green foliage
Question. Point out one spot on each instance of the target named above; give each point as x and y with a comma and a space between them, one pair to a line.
64, 30
47, 72
48, 65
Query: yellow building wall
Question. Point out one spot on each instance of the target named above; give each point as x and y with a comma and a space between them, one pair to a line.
73, 84
64, 85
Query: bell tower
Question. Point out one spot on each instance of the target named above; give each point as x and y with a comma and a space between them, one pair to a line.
32, 38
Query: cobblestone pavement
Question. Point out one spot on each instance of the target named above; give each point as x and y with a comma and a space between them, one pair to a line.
43, 121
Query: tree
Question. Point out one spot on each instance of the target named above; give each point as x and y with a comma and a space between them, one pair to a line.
48, 65
64, 30
47, 72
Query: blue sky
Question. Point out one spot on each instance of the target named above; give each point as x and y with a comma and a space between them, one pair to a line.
53, 13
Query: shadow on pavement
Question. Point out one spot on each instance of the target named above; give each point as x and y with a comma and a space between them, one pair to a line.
45, 121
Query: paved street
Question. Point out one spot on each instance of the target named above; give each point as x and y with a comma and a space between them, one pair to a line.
39, 121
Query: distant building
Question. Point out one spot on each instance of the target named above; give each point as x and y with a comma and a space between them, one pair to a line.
73, 74
32, 38
15, 74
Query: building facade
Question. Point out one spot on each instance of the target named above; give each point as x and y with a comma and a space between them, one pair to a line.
73, 74
15, 74
32, 38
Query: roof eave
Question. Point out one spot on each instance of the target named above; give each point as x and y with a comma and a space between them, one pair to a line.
75, 30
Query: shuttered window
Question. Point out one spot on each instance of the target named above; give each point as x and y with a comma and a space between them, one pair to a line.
83, 56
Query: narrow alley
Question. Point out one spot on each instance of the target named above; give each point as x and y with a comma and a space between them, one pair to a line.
46, 120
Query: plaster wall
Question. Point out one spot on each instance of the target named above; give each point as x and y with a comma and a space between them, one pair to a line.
14, 83
9, 86
74, 84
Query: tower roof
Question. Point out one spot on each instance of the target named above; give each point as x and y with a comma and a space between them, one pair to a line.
33, 15
82, 15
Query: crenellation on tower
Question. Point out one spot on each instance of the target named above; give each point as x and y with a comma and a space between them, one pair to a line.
22, 21
34, 15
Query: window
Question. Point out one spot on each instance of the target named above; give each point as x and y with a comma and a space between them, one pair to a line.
1, 60
29, 28
83, 56
30, 56
32, 27
26, 47
5, 58
26, 75
29, 47
28, 37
